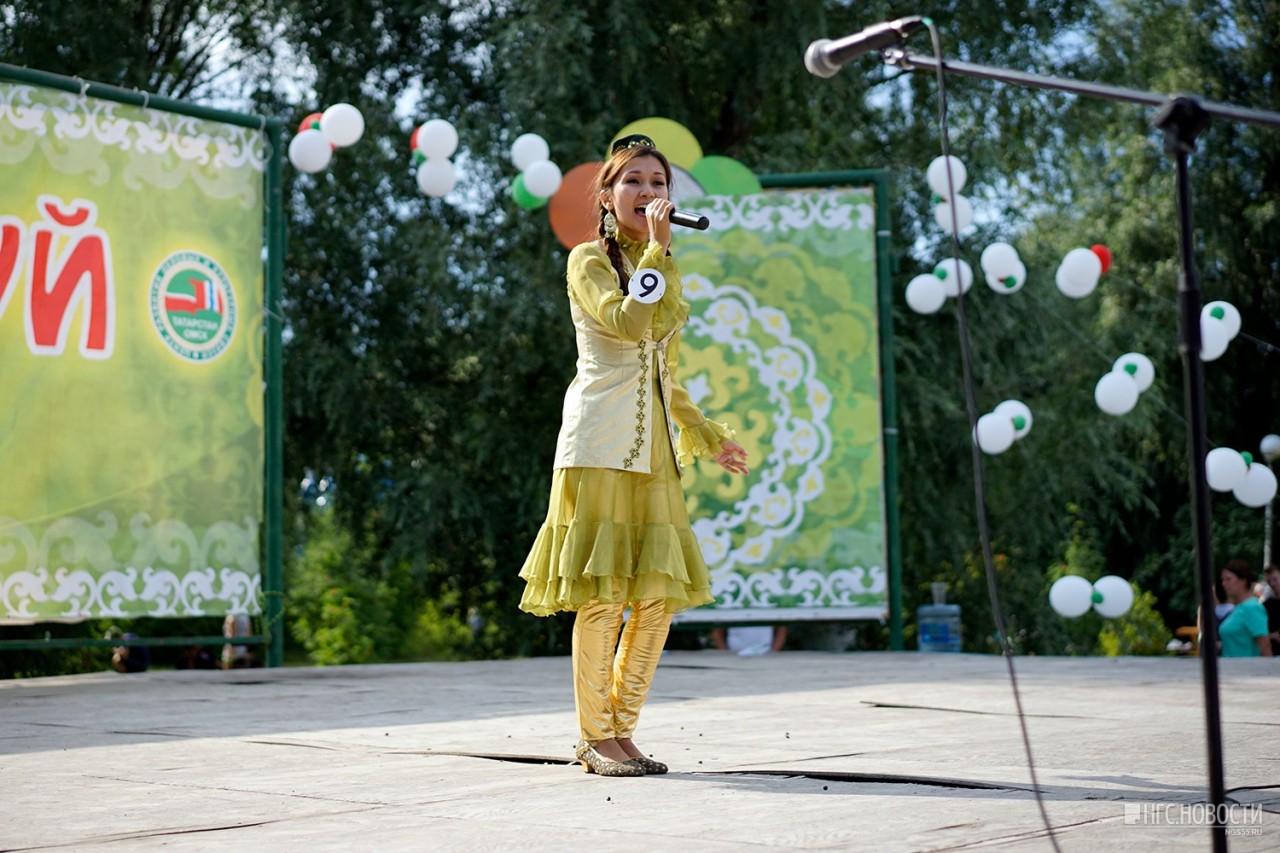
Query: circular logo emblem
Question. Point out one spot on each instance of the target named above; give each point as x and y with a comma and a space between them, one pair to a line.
647, 285
193, 306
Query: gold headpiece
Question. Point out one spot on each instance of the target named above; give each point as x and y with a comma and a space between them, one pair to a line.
633, 140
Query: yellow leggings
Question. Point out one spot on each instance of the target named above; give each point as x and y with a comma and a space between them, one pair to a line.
610, 687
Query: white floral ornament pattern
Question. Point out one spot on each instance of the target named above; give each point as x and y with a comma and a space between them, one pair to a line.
204, 152
786, 366
776, 502
171, 572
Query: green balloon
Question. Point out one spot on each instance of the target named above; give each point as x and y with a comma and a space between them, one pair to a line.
1096, 597
1019, 422
1131, 369
523, 197
725, 176
1011, 281
1217, 312
1248, 458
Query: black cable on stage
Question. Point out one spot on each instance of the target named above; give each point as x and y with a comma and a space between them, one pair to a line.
971, 405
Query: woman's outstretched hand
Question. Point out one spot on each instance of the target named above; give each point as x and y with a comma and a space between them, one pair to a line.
733, 458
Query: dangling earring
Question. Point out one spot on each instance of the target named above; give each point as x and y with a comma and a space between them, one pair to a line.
610, 223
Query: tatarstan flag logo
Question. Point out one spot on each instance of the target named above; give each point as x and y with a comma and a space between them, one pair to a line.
193, 306
204, 297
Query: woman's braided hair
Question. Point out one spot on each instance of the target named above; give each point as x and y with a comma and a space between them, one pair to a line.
624, 151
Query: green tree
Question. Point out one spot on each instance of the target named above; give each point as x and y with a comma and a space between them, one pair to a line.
428, 344
1121, 184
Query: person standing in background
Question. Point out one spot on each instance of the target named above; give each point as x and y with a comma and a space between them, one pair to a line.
1244, 632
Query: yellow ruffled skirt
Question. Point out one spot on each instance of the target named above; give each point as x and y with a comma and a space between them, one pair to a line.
615, 537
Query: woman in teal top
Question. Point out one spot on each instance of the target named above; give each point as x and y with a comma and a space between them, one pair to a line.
1244, 631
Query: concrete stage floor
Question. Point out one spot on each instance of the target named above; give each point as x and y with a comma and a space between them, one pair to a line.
790, 751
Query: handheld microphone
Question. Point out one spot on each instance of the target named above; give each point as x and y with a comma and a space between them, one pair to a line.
825, 57
689, 220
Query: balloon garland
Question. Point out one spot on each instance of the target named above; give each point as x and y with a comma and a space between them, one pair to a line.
1116, 393
572, 208
1252, 483
1109, 596
539, 177
1004, 270
431, 146
996, 431
1219, 325
944, 205
312, 147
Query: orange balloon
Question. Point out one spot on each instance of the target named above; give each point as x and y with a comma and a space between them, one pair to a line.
573, 207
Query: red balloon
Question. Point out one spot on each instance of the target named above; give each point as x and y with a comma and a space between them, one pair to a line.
311, 122
1104, 255
413, 138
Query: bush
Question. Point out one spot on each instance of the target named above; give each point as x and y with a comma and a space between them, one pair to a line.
1141, 631
438, 635
338, 606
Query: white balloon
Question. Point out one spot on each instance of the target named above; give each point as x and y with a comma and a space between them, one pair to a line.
1071, 596
542, 178
528, 149
1258, 486
1082, 264
1010, 284
1078, 273
936, 175
436, 177
1117, 596
999, 260
1270, 447
437, 140
310, 151
1116, 393
994, 433
926, 293
1071, 287
1144, 372
1224, 469
954, 282
1230, 315
343, 124
963, 214
1214, 337
1016, 409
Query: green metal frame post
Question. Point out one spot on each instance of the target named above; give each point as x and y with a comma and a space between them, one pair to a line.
273, 485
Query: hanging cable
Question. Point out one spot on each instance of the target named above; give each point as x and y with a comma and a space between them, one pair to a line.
970, 398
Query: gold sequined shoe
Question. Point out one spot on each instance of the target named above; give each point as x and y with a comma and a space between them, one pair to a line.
594, 762
648, 765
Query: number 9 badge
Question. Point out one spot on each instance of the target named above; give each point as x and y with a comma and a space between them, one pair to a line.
647, 285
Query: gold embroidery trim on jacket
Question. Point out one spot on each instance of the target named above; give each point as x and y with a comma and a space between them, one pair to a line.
666, 398
640, 395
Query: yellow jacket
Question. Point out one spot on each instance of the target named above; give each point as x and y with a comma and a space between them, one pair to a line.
623, 346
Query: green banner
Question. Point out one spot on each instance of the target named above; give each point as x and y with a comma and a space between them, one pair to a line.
783, 344
131, 388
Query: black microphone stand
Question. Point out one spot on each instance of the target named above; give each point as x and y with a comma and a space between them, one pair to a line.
1182, 118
